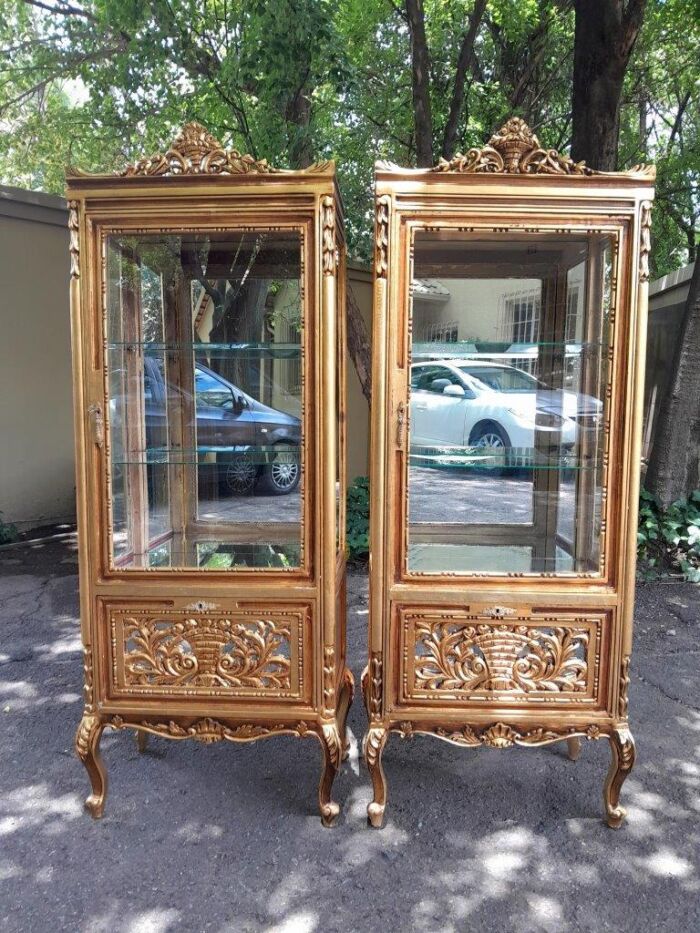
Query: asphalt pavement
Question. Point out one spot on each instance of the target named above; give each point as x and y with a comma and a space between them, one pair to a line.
227, 838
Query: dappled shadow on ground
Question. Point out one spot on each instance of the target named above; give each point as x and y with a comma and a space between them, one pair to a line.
227, 838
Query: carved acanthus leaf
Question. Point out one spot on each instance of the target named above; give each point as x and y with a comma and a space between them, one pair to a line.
206, 652
209, 731
503, 735
486, 657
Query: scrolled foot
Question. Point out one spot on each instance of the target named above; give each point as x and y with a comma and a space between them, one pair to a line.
332, 751
373, 746
329, 813
87, 747
573, 747
375, 815
623, 755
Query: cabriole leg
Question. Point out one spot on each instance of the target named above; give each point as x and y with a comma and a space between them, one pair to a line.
374, 743
623, 755
331, 744
573, 746
87, 747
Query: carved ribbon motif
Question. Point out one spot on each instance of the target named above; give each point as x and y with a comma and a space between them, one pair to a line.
645, 241
206, 653
382, 237
74, 239
329, 252
519, 659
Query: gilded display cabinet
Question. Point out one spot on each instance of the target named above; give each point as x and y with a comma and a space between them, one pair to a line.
509, 332
208, 320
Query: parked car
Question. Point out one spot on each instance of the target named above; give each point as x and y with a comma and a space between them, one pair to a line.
493, 406
254, 445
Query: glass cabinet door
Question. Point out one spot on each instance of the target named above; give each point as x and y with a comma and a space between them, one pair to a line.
205, 390
509, 367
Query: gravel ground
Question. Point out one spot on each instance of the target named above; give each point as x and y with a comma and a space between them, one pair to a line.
227, 838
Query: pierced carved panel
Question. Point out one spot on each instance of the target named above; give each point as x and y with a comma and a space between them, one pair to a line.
470, 656
179, 652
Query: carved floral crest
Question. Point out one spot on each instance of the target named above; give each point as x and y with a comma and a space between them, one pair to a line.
195, 151
515, 150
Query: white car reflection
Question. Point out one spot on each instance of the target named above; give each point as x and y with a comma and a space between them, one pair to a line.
495, 407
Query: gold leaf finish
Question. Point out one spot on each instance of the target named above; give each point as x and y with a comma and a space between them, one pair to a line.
207, 653
490, 652
521, 659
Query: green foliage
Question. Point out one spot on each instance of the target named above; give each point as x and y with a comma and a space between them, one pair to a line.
8, 532
97, 83
358, 519
668, 541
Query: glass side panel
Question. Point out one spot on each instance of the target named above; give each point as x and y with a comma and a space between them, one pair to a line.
508, 376
205, 376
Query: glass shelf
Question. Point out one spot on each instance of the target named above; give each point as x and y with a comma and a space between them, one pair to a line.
243, 350
515, 458
217, 555
170, 456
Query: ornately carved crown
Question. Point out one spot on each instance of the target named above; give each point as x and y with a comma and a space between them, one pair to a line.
194, 151
515, 150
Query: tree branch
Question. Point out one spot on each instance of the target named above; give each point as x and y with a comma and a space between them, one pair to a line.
466, 53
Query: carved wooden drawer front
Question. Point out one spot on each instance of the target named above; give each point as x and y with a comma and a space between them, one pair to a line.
208, 653
489, 655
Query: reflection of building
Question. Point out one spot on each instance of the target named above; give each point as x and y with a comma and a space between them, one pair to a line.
489, 311
493, 318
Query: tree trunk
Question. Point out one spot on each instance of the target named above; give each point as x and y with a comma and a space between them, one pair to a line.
359, 345
673, 464
605, 33
466, 54
420, 77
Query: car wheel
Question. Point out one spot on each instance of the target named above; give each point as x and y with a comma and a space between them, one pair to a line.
281, 475
492, 439
239, 475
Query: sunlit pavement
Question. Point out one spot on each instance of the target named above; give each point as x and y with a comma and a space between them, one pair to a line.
227, 838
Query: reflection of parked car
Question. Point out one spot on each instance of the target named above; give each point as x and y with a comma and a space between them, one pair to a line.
253, 444
469, 403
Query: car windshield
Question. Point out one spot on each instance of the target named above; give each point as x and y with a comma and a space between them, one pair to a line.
501, 378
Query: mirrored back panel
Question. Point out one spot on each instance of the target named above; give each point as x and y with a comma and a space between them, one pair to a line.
509, 369
205, 375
